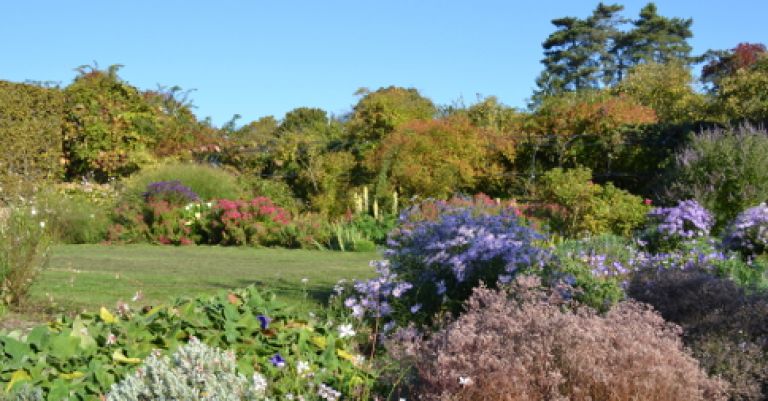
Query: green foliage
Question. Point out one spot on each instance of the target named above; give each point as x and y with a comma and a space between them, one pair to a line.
665, 88
82, 357
277, 190
30, 136
654, 39
206, 181
380, 112
74, 218
374, 229
724, 170
576, 52
573, 205
572, 260
743, 96
109, 128
24, 247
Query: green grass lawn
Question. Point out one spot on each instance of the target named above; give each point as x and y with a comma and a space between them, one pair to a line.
89, 276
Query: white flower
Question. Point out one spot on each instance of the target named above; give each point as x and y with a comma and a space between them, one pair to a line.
198, 215
111, 339
209, 204
34, 212
259, 382
359, 360
302, 367
346, 330
138, 296
42, 224
328, 393
465, 381
304, 280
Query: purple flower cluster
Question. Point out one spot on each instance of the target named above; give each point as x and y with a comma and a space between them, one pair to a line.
604, 266
748, 233
690, 259
173, 192
445, 258
464, 242
685, 221
375, 295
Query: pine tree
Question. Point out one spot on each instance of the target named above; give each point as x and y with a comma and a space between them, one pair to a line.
576, 53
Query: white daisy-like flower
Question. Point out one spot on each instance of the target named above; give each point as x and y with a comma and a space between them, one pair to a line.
465, 381
259, 382
346, 330
302, 367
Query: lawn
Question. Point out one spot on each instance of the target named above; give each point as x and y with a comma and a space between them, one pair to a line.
89, 276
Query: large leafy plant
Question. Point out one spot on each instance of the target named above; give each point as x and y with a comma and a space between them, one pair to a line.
82, 357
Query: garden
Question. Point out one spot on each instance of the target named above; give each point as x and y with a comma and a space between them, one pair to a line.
609, 243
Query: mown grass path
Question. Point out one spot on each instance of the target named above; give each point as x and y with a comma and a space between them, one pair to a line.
88, 276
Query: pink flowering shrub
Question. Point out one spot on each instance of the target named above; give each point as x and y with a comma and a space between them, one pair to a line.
539, 347
254, 222
155, 221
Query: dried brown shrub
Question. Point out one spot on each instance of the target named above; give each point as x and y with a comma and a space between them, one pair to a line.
532, 347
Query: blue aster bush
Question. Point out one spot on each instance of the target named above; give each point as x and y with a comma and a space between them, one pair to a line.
748, 233
438, 254
668, 227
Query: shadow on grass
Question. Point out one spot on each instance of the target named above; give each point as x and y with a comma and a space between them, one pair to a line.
281, 287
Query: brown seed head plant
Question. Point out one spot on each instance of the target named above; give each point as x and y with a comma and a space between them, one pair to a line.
525, 344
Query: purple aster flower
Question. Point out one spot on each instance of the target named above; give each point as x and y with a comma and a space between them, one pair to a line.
277, 360
263, 321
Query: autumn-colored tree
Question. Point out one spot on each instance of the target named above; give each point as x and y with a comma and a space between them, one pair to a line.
587, 127
726, 63
436, 158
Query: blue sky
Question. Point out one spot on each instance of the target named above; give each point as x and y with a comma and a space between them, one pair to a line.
258, 58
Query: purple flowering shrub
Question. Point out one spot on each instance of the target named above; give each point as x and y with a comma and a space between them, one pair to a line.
173, 192
433, 264
748, 233
670, 226
596, 267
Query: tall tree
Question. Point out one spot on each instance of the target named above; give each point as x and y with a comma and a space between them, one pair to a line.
576, 53
594, 53
653, 39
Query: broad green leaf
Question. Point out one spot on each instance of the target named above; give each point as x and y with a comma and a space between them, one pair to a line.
16, 349
64, 347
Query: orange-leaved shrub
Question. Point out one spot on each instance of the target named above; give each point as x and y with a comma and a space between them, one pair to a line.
530, 346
